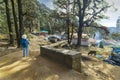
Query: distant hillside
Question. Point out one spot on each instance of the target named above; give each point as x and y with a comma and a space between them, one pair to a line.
112, 29
44, 8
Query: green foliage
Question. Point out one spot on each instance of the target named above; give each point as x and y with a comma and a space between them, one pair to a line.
94, 10
88, 11
1, 36
30, 14
36, 15
3, 25
116, 36
91, 10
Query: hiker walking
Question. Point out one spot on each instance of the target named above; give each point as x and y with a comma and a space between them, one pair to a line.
25, 45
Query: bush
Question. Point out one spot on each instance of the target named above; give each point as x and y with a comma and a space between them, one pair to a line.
1, 37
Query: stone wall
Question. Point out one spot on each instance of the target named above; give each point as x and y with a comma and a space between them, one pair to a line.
69, 58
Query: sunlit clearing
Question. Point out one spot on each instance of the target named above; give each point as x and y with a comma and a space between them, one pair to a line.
5, 62
52, 77
12, 68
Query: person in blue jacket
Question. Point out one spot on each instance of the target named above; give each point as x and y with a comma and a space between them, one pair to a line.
25, 44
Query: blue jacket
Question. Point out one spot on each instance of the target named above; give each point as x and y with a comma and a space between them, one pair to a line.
24, 43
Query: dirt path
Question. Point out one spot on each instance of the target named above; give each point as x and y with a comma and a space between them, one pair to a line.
15, 67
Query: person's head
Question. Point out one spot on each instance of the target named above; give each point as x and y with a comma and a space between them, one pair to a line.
24, 36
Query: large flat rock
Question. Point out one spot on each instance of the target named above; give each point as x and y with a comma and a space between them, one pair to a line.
69, 58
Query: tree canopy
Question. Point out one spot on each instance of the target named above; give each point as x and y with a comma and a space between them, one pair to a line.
26, 16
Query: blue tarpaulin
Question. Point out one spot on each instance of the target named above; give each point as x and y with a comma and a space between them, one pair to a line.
116, 50
114, 60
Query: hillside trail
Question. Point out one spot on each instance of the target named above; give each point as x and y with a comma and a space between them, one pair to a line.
14, 66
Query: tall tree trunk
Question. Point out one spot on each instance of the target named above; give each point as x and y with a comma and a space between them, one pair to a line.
21, 28
80, 24
71, 36
50, 29
68, 23
15, 22
9, 22
80, 30
81, 19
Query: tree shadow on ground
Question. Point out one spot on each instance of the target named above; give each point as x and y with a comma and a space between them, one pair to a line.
85, 58
35, 68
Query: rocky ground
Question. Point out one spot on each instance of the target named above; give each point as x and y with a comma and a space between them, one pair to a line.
15, 67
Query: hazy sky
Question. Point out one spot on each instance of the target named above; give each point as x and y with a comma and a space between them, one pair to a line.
111, 22
112, 14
